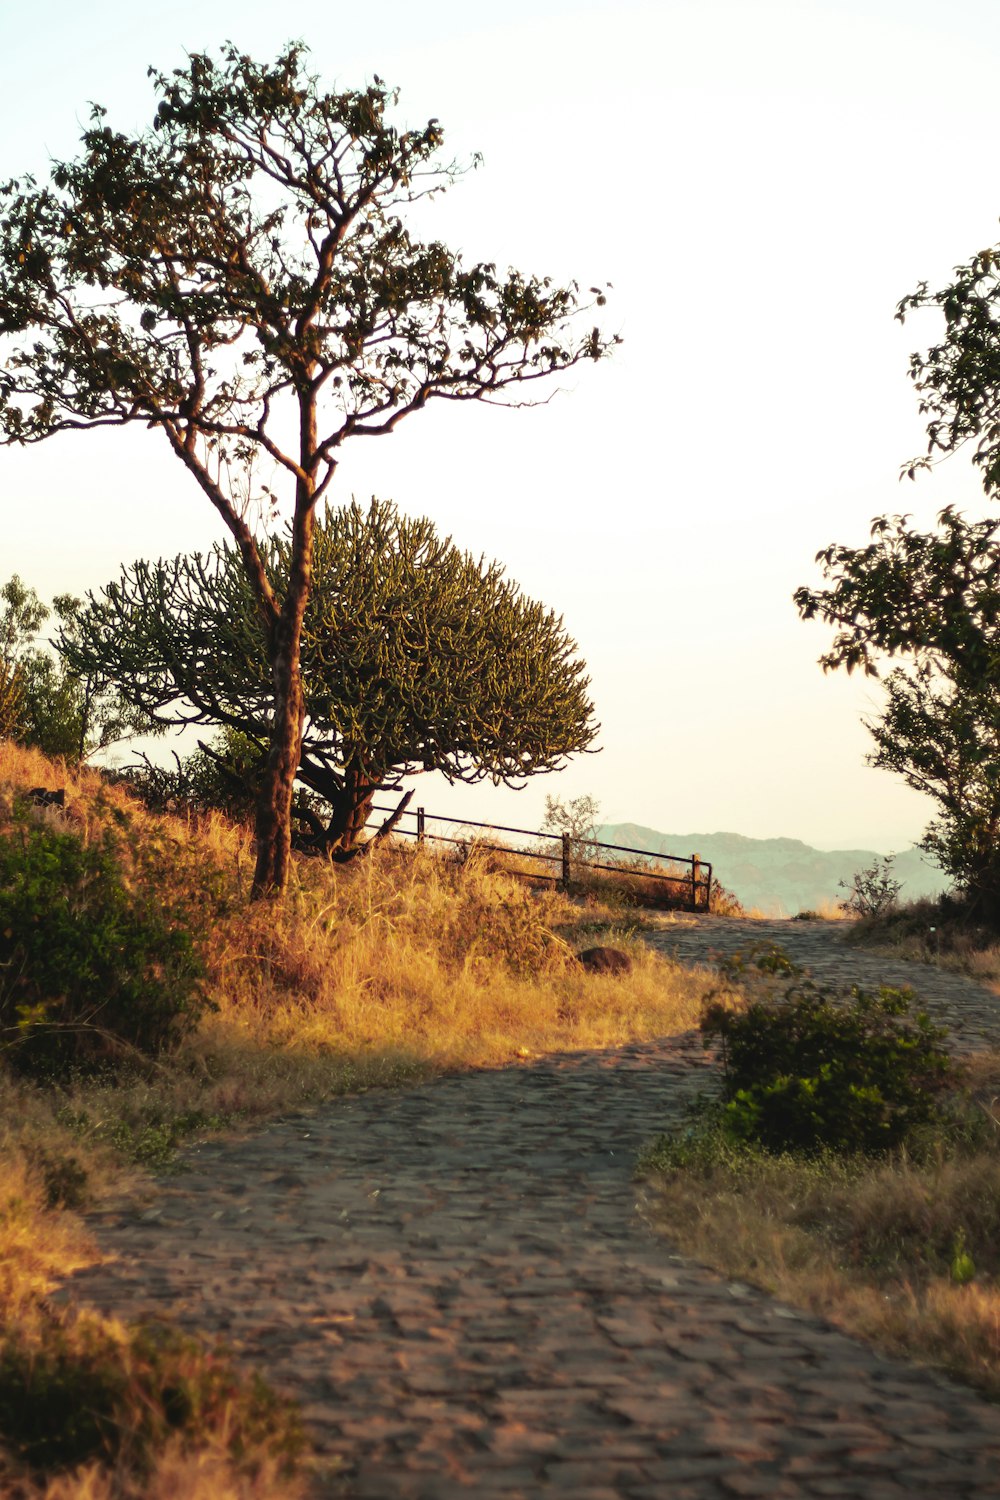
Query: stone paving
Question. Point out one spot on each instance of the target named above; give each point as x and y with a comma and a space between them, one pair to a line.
970, 1010
456, 1284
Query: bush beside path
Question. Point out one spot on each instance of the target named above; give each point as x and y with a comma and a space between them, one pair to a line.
456, 1283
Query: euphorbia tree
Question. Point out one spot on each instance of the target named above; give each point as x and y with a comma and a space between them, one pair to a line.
415, 657
239, 278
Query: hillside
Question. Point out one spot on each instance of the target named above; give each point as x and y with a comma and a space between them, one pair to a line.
780, 876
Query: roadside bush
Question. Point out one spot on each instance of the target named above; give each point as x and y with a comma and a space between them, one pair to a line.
77, 1390
91, 969
871, 892
811, 1071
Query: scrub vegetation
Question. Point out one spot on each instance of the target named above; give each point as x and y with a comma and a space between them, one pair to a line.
848, 1166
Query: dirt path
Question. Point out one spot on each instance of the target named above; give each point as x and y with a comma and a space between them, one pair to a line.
453, 1282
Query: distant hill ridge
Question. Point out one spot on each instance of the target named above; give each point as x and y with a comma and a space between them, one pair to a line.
780, 876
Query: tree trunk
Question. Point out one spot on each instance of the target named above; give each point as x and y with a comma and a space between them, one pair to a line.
274, 801
351, 804
984, 892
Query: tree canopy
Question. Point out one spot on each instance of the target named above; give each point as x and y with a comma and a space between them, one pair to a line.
959, 378
43, 702
240, 280
416, 657
930, 601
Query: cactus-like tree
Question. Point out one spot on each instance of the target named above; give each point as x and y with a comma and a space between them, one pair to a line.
416, 656
240, 280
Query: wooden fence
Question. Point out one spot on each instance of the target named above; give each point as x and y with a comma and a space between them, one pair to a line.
690, 880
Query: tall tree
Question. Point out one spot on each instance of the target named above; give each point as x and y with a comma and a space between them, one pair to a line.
415, 657
240, 279
929, 604
932, 600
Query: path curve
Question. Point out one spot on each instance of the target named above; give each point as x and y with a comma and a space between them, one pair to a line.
453, 1281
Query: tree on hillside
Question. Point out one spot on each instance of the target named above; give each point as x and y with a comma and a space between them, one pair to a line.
575, 820
415, 657
239, 278
43, 702
930, 601
933, 600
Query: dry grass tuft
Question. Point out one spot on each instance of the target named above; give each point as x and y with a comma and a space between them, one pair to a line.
827, 910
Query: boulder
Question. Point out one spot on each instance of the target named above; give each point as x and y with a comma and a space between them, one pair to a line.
605, 961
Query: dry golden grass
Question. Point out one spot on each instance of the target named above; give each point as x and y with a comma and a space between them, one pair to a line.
386, 970
208, 1474
827, 910
410, 961
872, 1247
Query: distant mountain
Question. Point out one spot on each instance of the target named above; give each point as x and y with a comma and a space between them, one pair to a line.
780, 876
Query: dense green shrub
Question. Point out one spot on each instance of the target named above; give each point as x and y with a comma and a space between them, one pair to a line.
92, 969
76, 1391
810, 1070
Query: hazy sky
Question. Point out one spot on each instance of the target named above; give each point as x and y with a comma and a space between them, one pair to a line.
762, 183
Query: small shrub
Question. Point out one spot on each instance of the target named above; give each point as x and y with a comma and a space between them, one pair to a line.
871, 892
150, 1138
90, 969
73, 1391
811, 1070
724, 903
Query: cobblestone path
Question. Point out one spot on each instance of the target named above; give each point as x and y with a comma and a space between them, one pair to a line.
454, 1282
970, 1010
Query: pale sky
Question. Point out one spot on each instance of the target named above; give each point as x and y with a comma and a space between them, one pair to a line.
762, 183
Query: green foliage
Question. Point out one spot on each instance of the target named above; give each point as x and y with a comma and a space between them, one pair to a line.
44, 702
415, 657
262, 217
148, 1138
962, 1269
223, 776
809, 1070
92, 970
77, 1393
932, 599
959, 378
871, 892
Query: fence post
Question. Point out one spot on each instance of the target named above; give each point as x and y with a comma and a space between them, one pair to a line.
565, 859
420, 825
695, 871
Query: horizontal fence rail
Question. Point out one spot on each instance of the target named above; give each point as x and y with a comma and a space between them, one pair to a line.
695, 881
